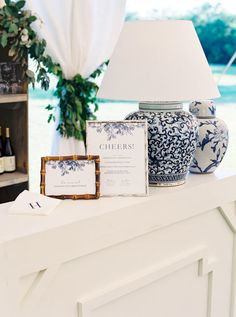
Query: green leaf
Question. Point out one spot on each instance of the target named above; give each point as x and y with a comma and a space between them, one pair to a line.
70, 88
4, 39
49, 107
32, 18
45, 83
50, 117
6, 24
78, 106
95, 107
20, 4
9, 11
13, 28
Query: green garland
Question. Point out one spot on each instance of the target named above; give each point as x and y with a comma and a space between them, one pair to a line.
17, 35
75, 96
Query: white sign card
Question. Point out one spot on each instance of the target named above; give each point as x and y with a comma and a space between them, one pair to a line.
70, 178
122, 147
28, 203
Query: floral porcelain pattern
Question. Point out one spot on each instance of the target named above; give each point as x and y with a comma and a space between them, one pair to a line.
212, 140
69, 166
171, 143
199, 110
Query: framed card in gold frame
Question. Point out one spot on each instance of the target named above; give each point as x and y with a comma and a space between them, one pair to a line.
70, 177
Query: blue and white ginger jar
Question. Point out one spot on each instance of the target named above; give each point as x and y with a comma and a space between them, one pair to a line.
172, 139
213, 138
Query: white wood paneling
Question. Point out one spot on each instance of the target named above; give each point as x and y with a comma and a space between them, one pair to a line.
37, 289
166, 255
142, 279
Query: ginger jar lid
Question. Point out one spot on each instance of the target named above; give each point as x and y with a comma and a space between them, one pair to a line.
203, 109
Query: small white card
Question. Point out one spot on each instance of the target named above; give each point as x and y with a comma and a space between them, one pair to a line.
61, 179
122, 147
29, 203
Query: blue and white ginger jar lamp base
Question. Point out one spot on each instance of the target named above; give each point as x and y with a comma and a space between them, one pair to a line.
172, 139
213, 138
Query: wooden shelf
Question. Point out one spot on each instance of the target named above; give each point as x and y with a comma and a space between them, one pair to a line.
13, 98
14, 115
8, 179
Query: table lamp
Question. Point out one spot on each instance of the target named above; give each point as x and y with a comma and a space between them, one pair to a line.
161, 64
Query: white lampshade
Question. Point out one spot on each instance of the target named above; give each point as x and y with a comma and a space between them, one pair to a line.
158, 61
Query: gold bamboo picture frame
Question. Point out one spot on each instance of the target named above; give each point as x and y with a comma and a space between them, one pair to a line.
64, 166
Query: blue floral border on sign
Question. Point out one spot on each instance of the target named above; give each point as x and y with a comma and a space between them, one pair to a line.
68, 166
113, 129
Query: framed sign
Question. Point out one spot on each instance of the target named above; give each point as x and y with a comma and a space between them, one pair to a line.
72, 177
122, 147
10, 78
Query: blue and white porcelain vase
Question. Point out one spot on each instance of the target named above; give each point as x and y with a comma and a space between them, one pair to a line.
172, 139
212, 140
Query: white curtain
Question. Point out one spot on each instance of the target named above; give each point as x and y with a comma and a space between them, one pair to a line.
80, 35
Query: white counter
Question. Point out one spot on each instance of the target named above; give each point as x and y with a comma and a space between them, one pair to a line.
125, 256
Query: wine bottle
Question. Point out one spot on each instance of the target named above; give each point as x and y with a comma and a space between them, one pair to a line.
1, 153
9, 156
